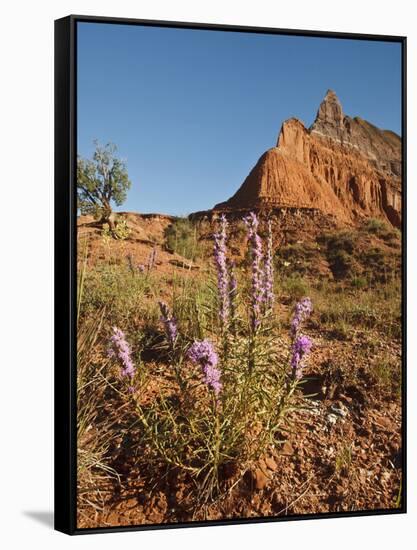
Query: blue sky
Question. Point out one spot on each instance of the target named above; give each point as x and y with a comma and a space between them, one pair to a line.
191, 111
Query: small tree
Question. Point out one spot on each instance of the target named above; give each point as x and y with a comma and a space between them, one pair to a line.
101, 181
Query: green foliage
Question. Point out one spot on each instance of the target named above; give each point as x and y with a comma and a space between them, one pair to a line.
296, 287
359, 282
127, 294
194, 304
342, 264
121, 231
101, 181
392, 237
359, 309
363, 259
386, 372
382, 230
375, 226
298, 258
379, 265
340, 330
340, 240
340, 247
181, 237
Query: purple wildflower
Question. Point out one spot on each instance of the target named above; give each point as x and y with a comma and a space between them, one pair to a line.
203, 353
220, 260
269, 272
302, 311
120, 349
257, 293
301, 347
141, 268
170, 324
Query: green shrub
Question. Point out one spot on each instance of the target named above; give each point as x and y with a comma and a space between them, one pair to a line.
297, 258
379, 265
295, 287
342, 264
359, 282
340, 248
181, 237
340, 240
375, 226
392, 237
121, 231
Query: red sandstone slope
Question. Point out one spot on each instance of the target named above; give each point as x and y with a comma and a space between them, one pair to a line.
344, 167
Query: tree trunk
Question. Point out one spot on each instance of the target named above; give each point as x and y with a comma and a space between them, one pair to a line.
109, 217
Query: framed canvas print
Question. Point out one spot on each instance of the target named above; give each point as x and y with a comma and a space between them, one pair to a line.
230, 269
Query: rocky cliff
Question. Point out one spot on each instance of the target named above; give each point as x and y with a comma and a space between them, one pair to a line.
345, 167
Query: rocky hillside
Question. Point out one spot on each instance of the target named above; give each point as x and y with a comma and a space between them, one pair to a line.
344, 167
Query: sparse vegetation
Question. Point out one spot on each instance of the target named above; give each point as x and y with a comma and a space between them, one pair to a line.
343, 460
125, 294
358, 257
386, 372
95, 420
375, 226
295, 287
298, 259
207, 437
181, 237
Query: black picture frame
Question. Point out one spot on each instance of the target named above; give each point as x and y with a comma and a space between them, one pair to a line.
65, 267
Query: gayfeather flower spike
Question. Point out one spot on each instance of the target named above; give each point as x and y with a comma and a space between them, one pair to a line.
170, 324
302, 311
120, 349
220, 259
301, 345
269, 271
257, 291
203, 353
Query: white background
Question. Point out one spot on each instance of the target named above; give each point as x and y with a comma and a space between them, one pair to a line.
26, 273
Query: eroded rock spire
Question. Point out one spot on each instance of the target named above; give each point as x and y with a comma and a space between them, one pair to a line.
330, 118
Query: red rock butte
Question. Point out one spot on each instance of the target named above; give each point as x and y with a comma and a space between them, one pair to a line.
344, 167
